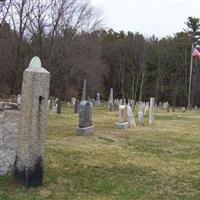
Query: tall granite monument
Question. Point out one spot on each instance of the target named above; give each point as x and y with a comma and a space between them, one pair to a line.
28, 168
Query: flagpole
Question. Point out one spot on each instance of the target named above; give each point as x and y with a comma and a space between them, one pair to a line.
190, 80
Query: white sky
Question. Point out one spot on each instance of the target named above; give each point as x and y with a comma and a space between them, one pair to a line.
158, 17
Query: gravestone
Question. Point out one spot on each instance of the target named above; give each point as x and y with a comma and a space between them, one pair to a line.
130, 116
55, 105
19, 98
110, 101
73, 101
98, 100
141, 106
59, 106
85, 119
28, 168
83, 97
151, 111
160, 104
9, 120
166, 106
76, 106
140, 118
123, 121
50, 103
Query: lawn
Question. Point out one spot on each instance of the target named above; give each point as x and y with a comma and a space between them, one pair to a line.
159, 162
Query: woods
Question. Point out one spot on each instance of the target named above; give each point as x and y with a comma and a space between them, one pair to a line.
73, 45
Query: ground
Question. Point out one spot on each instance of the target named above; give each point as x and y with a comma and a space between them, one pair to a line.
159, 162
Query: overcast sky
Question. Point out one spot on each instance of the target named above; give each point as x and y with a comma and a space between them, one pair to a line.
158, 17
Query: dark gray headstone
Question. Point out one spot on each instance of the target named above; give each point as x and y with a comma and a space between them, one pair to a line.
76, 106
85, 114
59, 106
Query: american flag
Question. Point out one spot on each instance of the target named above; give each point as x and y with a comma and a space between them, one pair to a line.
196, 53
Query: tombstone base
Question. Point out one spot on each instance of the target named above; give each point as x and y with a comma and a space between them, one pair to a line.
85, 131
30, 177
123, 125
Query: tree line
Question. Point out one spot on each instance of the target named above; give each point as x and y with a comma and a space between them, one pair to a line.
69, 38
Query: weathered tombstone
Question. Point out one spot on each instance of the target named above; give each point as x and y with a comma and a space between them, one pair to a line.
166, 106
84, 91
76, 106
98, 100
123, 121
141, 106
51, 100
59, 106
130, 116
151, 111
28, 167
140, 118
110, 101
55, 105
9, 119
73, 101
19, 98
85, 119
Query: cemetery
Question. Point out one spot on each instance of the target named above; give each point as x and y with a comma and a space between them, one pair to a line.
87, 154
94, 112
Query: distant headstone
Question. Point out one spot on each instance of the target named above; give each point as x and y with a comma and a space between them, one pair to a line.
19, 98
28, 167
85, 119
84, 91
123, 121
98, 100
76, 106
55, 105
160, 104
59, 105
110, 101
166, 106
73, 101
151, 111
130, 116
140, 118
141, 106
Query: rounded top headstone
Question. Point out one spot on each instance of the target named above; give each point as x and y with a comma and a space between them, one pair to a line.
35, 62
35, 65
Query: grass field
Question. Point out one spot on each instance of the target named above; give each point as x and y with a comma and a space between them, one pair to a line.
159, 162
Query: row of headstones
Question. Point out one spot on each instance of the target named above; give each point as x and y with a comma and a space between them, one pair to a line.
126, 117
54, 105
